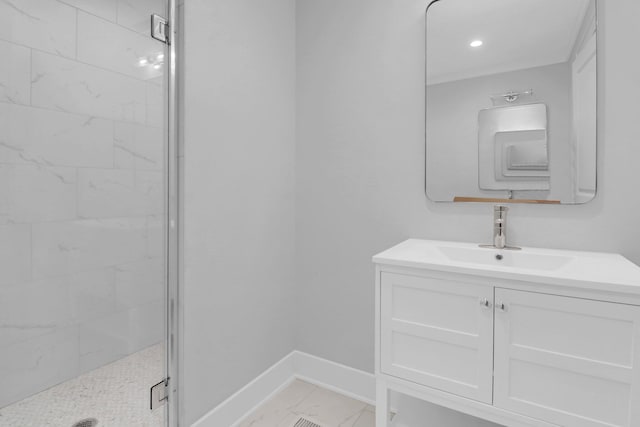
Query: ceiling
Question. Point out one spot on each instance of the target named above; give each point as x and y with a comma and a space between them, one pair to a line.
517, 34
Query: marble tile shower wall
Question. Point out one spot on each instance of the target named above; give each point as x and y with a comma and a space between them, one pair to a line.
81, 167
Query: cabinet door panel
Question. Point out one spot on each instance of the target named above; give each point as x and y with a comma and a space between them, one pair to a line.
568, 361
437, 333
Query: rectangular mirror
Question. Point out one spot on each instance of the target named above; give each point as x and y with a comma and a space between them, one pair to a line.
511, 90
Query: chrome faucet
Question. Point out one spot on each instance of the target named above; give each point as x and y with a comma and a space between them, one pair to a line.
499, 229
500, 226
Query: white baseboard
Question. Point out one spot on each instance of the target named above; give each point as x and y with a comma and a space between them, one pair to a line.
333, 376
251, 396
315, 370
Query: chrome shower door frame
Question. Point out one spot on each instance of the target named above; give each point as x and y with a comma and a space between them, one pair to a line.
172, 223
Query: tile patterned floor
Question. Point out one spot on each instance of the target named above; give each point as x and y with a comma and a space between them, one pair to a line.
115, 394
304, 400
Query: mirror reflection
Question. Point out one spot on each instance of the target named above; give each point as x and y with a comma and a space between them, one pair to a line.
511, 101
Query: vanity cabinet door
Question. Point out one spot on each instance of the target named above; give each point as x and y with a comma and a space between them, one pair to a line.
568, 361
438, 333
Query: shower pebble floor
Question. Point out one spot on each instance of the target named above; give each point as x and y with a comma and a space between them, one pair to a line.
117, 395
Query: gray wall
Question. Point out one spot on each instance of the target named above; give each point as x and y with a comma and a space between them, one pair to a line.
239, 194
360, 163
359, 178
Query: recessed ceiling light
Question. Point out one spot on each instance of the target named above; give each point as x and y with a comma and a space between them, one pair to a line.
476, 43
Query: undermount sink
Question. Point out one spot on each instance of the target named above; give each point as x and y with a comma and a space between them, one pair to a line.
505, 258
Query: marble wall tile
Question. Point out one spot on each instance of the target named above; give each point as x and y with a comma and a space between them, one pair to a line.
106, 9
139, 283
119, 334
151, 187
65, 85
32, 193
62, 248
138, 147
10, 335
147, 325
155, 236
38, 363
105, 193
42, 24
91, 294
113, 47
158, 81
15, 253
32, 309
155, 105
135, 14
15, 67
81, 185
104, 340
52, 138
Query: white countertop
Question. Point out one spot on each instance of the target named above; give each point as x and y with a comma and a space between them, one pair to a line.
552, 266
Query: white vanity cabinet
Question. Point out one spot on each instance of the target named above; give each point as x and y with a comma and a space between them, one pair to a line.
438, 332
519, 347
571, 361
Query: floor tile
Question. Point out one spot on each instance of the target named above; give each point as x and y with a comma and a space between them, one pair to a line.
289, 421
330, 408
367, 419
278, 409
315, 404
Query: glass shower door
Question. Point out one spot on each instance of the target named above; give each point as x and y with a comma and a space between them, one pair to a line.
83, 201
